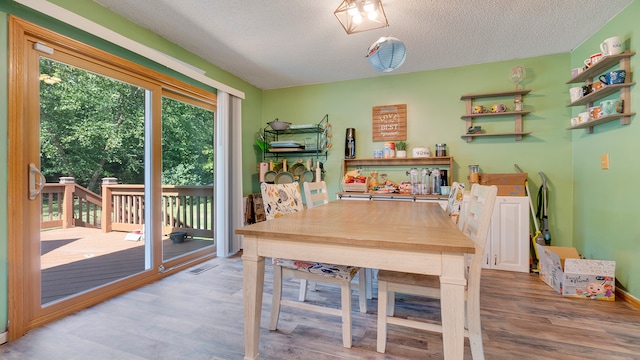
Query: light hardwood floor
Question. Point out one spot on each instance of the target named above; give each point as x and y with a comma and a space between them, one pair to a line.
199, 316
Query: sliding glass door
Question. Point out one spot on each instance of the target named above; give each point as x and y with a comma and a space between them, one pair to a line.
111, 169
187, 175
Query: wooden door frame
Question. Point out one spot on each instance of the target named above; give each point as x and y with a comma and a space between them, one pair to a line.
23, 139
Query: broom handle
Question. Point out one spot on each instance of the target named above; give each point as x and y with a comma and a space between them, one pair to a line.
526, 185
535, 220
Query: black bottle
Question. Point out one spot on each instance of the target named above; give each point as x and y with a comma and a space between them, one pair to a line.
350, 144
444, 180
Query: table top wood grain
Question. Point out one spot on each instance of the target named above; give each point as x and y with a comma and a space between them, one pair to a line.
417, 226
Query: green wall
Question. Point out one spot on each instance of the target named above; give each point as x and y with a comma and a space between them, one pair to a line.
433, 116
605, 223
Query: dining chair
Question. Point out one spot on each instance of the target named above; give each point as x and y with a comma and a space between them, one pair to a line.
284, 199
454, 203
316, 194
476, 219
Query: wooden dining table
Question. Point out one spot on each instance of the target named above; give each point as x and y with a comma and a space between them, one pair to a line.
416, 237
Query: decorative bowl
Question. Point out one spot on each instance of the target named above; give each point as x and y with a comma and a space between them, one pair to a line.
279, 125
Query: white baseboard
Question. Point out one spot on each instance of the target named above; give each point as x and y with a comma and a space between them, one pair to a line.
4, 337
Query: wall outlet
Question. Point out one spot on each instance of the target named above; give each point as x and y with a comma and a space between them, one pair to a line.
604, 161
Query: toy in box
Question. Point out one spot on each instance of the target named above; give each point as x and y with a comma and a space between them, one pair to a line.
563, 270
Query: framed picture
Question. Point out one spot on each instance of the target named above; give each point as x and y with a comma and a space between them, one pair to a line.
389, 122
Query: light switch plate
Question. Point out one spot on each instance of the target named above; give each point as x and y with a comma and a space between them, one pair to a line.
604, 161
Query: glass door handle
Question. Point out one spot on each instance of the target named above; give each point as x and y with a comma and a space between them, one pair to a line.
33, 190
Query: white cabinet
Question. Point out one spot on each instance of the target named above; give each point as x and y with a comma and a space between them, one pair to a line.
507, 245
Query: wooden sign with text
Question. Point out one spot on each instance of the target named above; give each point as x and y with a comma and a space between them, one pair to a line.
390, 122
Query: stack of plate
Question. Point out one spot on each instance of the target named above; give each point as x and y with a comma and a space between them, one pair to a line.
285, 146
302, 126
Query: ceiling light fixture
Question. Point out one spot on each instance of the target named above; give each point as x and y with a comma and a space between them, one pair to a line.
387, 54
361, 15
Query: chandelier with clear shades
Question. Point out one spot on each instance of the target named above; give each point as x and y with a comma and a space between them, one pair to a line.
361, 15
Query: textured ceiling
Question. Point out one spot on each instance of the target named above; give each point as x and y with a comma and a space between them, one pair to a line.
282, 43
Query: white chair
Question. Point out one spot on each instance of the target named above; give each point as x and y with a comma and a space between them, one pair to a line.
454, 204
315, 194
475, 224
283, 199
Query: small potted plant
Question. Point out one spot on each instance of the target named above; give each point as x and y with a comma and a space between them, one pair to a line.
401, 149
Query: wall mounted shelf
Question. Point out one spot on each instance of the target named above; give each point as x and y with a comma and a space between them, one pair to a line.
318, 133
588, 76
605, 63
446, 161
469, 116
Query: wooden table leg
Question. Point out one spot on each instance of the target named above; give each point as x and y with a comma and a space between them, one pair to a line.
452, 283
253, 281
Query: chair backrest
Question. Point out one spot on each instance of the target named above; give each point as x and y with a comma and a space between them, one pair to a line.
476, 219
315, 193
281, 199
454, 204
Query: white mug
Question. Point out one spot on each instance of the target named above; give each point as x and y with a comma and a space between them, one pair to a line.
576, 71
575, 93
575, 121
583, 117
611, 46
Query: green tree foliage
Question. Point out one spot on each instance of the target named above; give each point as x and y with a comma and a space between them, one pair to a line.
92, 126
187, 144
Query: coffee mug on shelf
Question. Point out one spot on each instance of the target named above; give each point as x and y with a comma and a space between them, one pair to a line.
595, 112
498, 108
583, 117
575, 121
575, 93
611, 46
612, 106
587, 89
613, 77
576, 71
608, 107
597, 85
478, 109
593, 59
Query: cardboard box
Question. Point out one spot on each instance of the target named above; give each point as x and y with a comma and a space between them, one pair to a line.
508, 184
563, 270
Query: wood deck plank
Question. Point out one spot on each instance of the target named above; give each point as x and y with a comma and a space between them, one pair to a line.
78, 259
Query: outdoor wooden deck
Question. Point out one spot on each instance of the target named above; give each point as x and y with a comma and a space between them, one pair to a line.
77, 259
